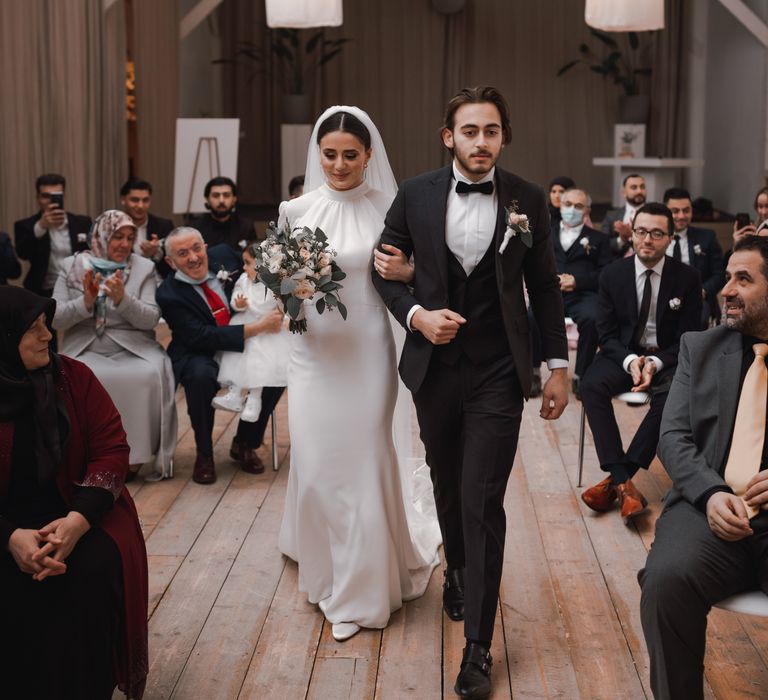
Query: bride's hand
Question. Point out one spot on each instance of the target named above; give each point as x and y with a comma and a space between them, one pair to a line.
393, 265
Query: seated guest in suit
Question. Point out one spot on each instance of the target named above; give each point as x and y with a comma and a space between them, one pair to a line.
136, 200
296, 187
107, 310
49, 236
73, 567
223, 223
712, 537
581, 253
697, 247
617, 223
195, 305
10, 268
646, 302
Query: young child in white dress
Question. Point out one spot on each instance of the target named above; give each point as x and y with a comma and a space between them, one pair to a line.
264, 360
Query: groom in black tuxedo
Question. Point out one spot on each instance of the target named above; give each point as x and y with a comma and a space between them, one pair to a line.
467, 357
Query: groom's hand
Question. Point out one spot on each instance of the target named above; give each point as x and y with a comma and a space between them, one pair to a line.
554, 397
439, 327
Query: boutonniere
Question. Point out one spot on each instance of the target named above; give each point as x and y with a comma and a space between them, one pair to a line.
242, 243
82, 237
697, 249
223, 275
517, 223
584, 242
675, 304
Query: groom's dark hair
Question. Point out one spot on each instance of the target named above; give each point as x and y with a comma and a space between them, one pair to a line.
476, 95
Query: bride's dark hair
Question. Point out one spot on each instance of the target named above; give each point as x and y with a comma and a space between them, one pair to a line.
348, 123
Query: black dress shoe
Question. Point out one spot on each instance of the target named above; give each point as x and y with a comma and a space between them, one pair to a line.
453, 594
474, 679
204, 471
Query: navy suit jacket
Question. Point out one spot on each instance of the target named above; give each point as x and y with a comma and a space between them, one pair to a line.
194, 330
38, 250
584, 262
618, 312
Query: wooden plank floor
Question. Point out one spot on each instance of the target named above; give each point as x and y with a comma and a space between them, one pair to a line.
227, 621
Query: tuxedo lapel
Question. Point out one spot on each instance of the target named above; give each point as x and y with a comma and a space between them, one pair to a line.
504, 197
728, 376
438, 202
665, 293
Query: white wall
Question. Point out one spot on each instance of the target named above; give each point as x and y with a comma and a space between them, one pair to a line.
733, 74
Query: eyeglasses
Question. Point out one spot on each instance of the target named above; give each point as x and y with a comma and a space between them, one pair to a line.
656, 234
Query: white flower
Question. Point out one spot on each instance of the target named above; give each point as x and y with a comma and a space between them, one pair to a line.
242, 243
516, 219
675, 304
223, 276
697, 249
584, 243
82, 237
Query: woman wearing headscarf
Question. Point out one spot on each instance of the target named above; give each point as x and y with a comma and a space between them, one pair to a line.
106, 306
73, 567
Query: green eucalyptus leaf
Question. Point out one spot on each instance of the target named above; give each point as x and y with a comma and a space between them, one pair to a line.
320, 306
293, 307
343, 311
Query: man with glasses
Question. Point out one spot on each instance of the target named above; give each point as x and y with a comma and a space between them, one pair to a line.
646, 302
49, 236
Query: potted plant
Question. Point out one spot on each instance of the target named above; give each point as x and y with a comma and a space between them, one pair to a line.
623, 69
299, 57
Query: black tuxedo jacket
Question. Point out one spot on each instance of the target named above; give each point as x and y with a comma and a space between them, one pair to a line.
706, 256
415, 224
158, 226
194, 330
584, 262
10, 268
618, 312
38, 250
239, 228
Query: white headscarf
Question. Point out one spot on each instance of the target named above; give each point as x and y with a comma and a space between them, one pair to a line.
378, 174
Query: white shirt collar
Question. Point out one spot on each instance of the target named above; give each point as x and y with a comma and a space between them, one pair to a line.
461, 178
657, 268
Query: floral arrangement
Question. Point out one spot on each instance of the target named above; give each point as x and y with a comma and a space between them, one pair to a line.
517, 223
297, 264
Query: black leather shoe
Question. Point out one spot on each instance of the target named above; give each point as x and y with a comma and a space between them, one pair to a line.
474, 679
453, 594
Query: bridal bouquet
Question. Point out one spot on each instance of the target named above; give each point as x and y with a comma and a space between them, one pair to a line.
296, 265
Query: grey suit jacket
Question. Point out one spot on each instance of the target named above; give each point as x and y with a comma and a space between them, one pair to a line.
700, 412
131, 324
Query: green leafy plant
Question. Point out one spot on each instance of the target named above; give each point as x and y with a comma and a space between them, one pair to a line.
299, 56
621, 68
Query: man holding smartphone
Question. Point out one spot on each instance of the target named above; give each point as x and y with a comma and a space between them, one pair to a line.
49, 236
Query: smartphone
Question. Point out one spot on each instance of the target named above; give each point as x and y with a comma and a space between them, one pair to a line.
57, 198
742, 220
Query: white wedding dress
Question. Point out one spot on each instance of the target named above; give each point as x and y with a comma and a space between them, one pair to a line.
364, 540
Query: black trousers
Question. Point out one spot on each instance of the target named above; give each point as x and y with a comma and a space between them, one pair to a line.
688, 570
469, 419
603, 380
199, 377
582, 308
59, 635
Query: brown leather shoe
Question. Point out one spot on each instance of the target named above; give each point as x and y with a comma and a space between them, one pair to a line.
631, 500
204, 471
251, 462
600, 497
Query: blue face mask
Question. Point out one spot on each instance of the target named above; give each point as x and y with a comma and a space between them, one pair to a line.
571, 216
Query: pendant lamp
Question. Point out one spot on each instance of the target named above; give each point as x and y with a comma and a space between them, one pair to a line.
301, 14
625, 15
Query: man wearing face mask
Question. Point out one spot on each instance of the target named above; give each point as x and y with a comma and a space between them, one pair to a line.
223, 223
581, 253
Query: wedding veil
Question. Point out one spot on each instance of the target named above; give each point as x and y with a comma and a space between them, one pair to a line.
378, 174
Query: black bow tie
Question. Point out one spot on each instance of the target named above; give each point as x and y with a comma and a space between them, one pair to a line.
482, 187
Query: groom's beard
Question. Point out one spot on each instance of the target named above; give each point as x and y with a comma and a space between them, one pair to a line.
472, 166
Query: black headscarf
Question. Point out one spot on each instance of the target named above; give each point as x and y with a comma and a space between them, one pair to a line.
566, 183
24, 392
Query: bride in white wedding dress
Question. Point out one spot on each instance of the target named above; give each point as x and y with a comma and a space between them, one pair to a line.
362, 545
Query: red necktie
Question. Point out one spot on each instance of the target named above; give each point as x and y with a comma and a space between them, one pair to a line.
218, 308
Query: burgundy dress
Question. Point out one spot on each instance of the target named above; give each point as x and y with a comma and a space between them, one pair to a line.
96, 455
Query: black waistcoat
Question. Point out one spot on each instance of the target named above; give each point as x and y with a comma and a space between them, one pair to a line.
476, 297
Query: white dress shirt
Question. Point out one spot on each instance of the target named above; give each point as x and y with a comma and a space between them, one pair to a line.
470, 223
648, 337
569, 235
685, 254
61, 247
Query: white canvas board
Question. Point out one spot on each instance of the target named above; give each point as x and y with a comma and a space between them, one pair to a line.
197, 143
629, 141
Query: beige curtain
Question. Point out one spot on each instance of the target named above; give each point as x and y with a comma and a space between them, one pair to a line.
62, 107
156, 55
405, 60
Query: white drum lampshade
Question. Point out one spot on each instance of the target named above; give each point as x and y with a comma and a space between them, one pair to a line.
302, 14
624, 15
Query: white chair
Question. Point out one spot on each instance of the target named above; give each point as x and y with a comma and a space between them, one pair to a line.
635, 398
749, 603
